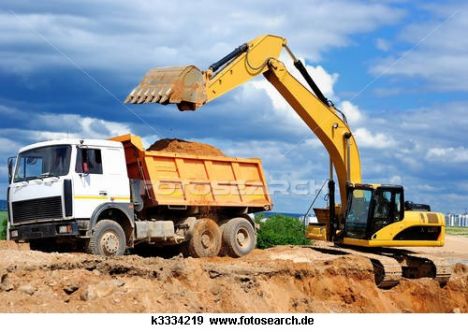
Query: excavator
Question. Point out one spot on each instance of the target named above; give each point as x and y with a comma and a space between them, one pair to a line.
372, 220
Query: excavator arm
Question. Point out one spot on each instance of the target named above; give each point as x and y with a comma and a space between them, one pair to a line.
191, 88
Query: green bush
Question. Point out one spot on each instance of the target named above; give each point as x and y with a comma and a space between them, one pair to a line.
280, 230
3, 227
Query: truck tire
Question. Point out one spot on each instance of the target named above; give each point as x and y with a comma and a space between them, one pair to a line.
239, 237
108, 239
205, 240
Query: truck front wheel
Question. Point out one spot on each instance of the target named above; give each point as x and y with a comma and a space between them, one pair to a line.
108, 239
205, 240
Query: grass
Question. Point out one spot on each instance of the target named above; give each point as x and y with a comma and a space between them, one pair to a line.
3, 225
461, 231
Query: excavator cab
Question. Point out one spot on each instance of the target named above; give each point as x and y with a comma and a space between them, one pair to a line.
376, 216
371, 208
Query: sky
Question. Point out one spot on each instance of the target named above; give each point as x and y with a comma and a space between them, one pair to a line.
397, 69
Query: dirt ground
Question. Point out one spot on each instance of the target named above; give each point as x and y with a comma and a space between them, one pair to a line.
455, 249
281, 279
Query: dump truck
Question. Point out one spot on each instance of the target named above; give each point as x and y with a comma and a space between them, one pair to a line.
106, 196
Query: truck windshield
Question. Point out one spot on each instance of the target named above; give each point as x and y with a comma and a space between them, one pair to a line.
43, 162
358, 213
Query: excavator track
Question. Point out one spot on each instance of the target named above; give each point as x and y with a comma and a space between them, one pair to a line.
387, 270
390, 265
420, 266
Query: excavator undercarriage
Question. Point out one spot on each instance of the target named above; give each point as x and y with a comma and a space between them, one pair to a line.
390, 265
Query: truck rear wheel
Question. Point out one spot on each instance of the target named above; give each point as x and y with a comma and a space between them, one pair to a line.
205, 240
239, 237
108, 239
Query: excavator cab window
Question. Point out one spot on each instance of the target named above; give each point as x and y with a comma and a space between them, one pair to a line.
358, 213
369, 210
387, 207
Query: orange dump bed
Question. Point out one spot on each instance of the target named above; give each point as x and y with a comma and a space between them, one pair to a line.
193, 180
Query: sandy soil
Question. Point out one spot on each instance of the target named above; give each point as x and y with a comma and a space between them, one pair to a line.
182, 146
281, 279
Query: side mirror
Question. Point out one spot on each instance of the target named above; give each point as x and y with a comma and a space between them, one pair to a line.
11, 166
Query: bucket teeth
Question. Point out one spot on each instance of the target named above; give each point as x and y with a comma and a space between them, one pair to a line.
156, 97
166, 96
151, 96
130, 97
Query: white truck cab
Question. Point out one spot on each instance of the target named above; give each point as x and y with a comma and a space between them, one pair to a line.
60, 188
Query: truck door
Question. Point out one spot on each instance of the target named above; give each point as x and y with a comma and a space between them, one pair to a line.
90, 188
101, 176
115, 173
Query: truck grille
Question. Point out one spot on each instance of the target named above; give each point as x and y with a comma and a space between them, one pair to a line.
37, 209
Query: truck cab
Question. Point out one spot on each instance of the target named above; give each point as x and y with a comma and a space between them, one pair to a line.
58, 188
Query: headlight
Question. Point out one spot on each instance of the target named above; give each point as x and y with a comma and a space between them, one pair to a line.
65, 229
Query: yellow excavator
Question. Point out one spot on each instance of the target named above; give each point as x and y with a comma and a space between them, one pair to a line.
372, 218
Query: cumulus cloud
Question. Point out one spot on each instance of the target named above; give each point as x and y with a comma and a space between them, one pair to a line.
47, 126
129, 36
365, 138
352, 112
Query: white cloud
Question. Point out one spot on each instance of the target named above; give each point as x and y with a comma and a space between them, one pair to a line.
365, 138
55, 126
142, 33
352, 112
324, 80
448, 154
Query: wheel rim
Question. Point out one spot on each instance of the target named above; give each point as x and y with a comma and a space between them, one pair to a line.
207, 239
110, 243
243, 238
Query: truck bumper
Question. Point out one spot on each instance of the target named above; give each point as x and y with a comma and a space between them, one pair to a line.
43, 231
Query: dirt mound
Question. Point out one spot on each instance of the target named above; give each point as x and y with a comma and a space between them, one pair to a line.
281, 279
182, 146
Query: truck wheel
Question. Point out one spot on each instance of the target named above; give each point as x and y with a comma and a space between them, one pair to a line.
239, 237
205, 240
108, 239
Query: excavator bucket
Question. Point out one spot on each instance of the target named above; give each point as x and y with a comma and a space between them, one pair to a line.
184, 86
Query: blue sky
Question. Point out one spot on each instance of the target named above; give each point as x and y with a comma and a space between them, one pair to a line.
398, 69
